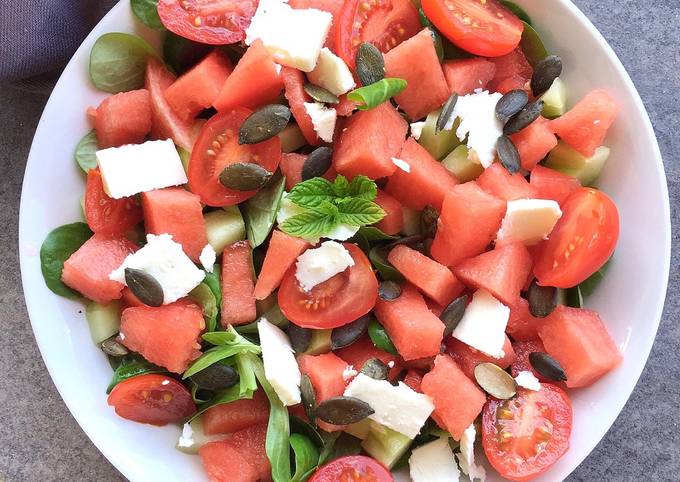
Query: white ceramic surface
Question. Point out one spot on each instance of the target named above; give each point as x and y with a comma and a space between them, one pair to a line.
634, 177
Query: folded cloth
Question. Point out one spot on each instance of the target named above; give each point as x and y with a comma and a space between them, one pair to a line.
39, 36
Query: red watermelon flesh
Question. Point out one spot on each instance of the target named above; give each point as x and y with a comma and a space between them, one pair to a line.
534, 142
326, 372
551, 184
282, 253
393, 222
413, 380
238, 302
220, 459
294, 82
522, 325
123, 118
237, 415
512, 71
522, 364
464, 76
498, 181
291, 167
468, 358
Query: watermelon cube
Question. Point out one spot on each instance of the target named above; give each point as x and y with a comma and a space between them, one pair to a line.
522, 325
393, 222
534, 142
464, 76
238, 302
498, 181
552, 184
467, 358
123, 118
282, 252
240, 458
522, 364
513, 71
237, 415
326, 372
291, 168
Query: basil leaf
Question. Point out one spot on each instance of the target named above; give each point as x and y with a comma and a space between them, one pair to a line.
213, 282
312, 192
517, 10
308, 224
358, 212
131, 366
58, 246
204, 296
375, 94
588, 286
306, 456
362, 187
147, 13
532, 45
259, 212
373, 234
380, 338
378, 257
118, 62
86, 150
181, 54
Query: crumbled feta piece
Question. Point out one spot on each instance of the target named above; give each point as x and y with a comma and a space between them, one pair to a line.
401, 164
164, 259
315, 266
280, 367
396, 407
466, 457
208, 257
323, 119
528, 380
278, 68
528, 221
349, 372
478, 122
331, 73
483, 324
288, 209
294, 37
390, 364
165, 382
433, 462
187, 438
417, 129
135, 168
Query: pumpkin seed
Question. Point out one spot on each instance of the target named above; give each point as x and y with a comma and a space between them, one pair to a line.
510, 104
343, 410
547, 366
144, 286
523, 118
113, 348
348, 334
495, 381
244, 176
508, 155
389, 290
308, 396
446, 113
320, 94
375, 369
428, 222
300, 338
317, 163
453, 313
216, 377
545, 73
370, 64
264, 124
541, 299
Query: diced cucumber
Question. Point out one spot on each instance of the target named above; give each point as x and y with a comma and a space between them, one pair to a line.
411, 221
104, 320
320, 343
555, 100
224, 227
184, 156
198, 438
291, 138
360, 429
441, 143
385, 445
565, 159
458, 164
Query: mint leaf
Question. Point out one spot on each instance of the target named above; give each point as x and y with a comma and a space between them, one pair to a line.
309, 224
359, 212
362, 187
341, 186
312, 192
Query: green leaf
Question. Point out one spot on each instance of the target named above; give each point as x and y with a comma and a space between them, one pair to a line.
373, 234
341, 186
338, 444
532, 45
86, 150
118, 62
259, 212
308, 224
358, 212
131, 366
375, 94
59, 245
246, 366
306, 456
588, 286
517, 10
213, 282
211, 357
380, 338
229, 343
312, 193
230, 337
204, 296
298, 425
147, 13
574, 297
363, 188
378, 257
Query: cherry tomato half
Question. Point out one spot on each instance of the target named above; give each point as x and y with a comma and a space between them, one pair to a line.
483, 28
582, 241
525, 435
353, 468
340, 300
105, 215
153, 399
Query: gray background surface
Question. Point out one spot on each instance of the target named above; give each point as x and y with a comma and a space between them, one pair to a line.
40, 441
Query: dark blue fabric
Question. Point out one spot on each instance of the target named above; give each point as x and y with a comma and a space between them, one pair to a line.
38, 37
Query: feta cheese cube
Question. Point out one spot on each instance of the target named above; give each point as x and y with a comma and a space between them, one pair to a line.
135, 168
396, 407
466, 457
528, 221
323, 119
207, 258
280, 367
433, 462
401, 164
417, 129
315, 266
164, 259
331, 73
528, 380
293, 37
186, 440
483, 324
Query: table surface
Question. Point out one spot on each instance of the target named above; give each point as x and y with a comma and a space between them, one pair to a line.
41, 441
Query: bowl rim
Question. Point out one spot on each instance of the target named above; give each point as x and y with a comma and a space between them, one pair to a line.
646, 129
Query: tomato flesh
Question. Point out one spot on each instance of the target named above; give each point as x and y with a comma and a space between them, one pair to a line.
105, 215
209, 22
484, 28
582, 241
335, 302
216, 148
353, 468
524, 436
153, 399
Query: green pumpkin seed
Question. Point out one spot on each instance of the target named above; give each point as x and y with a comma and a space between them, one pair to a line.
495, 381
542, 299
453, 313
446, 113
113, 348
510, 104
308, 396
144, 286
370, 64
508, 155
264, 124
320, 94
428, 221
343, 410
216, 377
244, 176
523, 118
317, 163
547, 366
348, 334
545, 73
389, 290
300, 338
375, 369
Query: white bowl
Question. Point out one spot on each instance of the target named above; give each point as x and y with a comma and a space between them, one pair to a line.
630, 299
